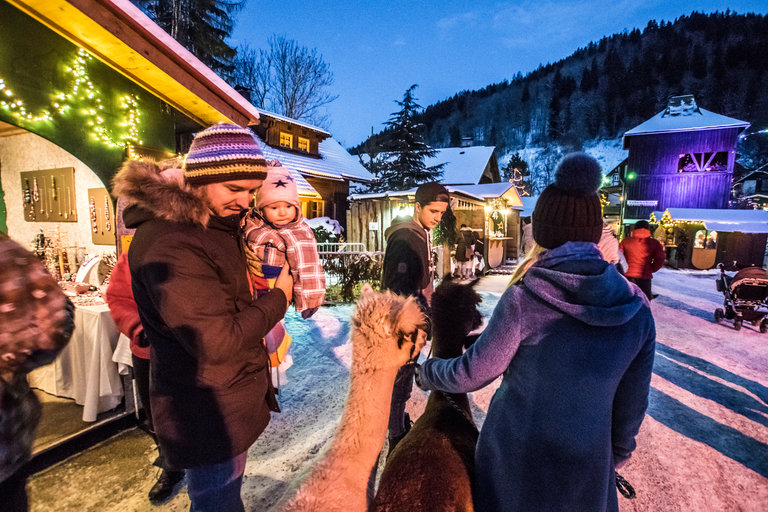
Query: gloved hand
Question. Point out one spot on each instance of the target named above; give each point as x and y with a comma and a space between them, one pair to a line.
417, 378
308, 313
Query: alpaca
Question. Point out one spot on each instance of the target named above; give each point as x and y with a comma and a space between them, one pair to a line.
432, 467
385, 335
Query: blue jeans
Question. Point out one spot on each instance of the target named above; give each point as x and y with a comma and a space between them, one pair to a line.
216, 487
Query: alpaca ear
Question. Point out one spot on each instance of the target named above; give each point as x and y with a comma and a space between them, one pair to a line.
366, 290
447, 279
409, 317
473, 282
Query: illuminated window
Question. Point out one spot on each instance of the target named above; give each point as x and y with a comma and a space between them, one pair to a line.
315, 209
710, 161
303, 144
286, 140
705, 239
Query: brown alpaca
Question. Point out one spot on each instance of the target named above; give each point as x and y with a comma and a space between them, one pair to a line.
432, 467
384, 337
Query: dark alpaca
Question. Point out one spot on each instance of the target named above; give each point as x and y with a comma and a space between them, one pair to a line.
432, 467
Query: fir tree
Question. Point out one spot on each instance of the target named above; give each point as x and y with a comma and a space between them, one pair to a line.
201, 26
405, 166
518, 174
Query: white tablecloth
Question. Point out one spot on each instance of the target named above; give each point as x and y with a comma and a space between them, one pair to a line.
84, 370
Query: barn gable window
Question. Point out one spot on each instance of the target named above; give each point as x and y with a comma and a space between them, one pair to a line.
709, 161
286, 140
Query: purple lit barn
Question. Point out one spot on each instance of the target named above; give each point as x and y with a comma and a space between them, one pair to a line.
679, 174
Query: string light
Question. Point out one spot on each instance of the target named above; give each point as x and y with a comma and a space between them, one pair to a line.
84, 98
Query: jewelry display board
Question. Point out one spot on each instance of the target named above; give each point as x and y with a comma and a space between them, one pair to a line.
102, 217
49, 195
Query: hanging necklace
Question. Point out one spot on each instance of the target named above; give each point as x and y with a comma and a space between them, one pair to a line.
94, 220
35, 191
107, 225
27, 193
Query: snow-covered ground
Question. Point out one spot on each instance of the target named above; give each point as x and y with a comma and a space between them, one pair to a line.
703, 445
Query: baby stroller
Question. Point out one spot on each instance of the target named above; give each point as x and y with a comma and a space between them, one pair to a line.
745, 297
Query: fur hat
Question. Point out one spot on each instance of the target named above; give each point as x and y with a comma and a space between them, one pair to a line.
569, 209
224, 152
280, 185
432, 192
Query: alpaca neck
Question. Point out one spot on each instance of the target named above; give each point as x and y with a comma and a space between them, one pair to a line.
446, 345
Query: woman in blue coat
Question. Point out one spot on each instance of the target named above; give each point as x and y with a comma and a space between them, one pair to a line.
575, 343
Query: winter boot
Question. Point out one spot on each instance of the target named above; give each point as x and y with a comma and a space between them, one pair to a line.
166, 487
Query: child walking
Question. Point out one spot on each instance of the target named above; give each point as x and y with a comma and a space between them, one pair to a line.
276, 234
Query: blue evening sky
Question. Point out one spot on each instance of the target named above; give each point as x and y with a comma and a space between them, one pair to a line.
378, 48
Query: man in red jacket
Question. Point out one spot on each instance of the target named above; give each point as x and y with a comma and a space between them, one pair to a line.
125, 314
644, 255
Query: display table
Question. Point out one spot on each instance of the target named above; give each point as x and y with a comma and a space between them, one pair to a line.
84, 370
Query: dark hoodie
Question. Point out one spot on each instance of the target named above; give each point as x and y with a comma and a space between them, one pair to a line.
575, 343
406, 261
209, 378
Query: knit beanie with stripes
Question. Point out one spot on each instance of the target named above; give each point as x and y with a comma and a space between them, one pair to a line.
224, 152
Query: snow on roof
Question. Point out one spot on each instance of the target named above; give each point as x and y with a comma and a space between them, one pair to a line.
335, 162
463, 166
479, 192
701, 119
745, 221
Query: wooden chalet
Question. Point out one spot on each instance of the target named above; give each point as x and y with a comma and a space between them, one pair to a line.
471, 175
683, 157
323, 168
679, 174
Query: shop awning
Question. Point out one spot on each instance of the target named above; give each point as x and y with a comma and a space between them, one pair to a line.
744, 221
119, 34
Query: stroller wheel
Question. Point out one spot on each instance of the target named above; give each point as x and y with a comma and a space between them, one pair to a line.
719, 315
737, 323
764, 325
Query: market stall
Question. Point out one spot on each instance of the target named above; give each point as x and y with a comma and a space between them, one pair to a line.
702, 238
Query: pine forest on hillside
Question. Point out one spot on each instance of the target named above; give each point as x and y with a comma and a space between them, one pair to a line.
614, 84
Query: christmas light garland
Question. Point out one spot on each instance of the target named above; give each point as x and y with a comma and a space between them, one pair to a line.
82, 90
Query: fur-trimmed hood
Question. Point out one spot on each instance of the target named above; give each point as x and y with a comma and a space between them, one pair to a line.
158, 190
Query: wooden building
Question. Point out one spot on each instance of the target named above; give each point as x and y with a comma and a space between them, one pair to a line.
461, 167
490, 209
700, 238
683, 157
323, 168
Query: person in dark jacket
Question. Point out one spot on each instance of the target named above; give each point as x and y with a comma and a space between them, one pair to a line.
465, 251
408, 270
36, 322
644, 255
125, 314
210, 391
574, 341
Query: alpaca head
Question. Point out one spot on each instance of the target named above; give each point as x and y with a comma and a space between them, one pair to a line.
384, 327
454, 315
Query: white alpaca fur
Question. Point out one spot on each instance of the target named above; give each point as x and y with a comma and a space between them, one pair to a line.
382, 325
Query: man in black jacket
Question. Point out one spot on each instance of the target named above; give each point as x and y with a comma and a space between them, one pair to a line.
209, 383
409, 270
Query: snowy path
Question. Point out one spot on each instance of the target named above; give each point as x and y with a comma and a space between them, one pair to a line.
703, 445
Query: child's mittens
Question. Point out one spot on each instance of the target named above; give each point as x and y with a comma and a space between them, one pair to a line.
308, 313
